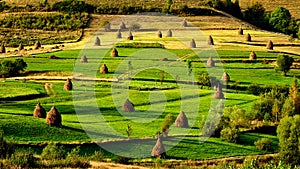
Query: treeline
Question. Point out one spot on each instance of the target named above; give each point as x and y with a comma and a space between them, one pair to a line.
279, 20
46, 22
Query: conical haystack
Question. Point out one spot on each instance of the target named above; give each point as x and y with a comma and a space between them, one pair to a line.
114, 53
119, 34
241, 31
21, 47
270, 45
193, 44
210, 62
130, 36
39, 111
219, 94
97, 41
181, 120
68, 85
83, 59
225, 77
159, 34
2, 48
104, 69
122, 25
210, 40
53, 118
248, 38
37, 45
128, 106
169, 33
159, 150
252, 56
184, 23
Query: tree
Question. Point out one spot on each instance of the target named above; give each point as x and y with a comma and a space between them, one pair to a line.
288, 133
294, 95
170, 3
237, 116
280, 19
189, 65
128, 131
284, 63
256, 14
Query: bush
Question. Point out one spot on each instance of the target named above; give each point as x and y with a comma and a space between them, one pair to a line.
255, 89
97, 156
11, 68
139, 45
121, 160
263, 144
284, 63
23, 159
168, 121
230, 134
6, 148
53, 152
74, 160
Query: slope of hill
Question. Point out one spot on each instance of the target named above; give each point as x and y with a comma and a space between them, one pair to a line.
292, 5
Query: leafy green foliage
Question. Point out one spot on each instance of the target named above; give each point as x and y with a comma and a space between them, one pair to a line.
23, 159
230, 134
256, 14
263, 144
73, 6
6, 148
11, 68
168, 121
45, 22
280, 19
284, 63
288, 135
53, 152
237, 116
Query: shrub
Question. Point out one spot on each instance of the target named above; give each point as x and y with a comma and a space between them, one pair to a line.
284, 63
230, 134
168, 121
255, 89
74, 160
53, 152
6, 148
263, 144
121, 160
23, 159
97, 156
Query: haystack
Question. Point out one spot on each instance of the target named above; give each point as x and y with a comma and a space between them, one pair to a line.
210, 40
114, 53
21, 47
192, 44
184, 23
159, 149
248, 38
210, 62
252, 56
225, 77
122, 25
241, 31
130, 36
68, 85
103, 69
219, 94
97, 41
270, 45
119, 34
83, 59
169, 33
181, 120
159, 34
128, 106
39, 111
2, 48
37, 45
53, 118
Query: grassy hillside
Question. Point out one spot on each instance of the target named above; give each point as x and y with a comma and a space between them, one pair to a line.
293, 6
